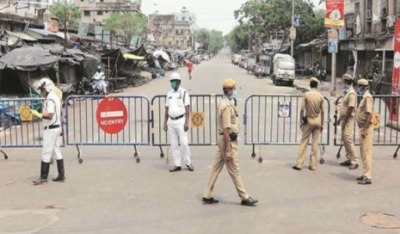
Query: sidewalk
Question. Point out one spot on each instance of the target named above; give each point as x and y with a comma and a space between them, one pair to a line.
303, 85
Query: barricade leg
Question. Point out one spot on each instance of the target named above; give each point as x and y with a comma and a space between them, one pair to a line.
322, 152
162, 153
79, 154
254, 153
395, 153
136, 155
338, 154
260, 159
5, 155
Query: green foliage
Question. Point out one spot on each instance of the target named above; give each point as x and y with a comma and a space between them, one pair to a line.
73, 13
275, 16
212, 40
127, 24
238, 39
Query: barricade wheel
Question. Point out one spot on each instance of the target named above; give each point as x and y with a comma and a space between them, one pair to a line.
260, 160
138, 160
337, 156
162, 155
80, 161
322, 161
395, 156
136, 155
253, 155
5, 157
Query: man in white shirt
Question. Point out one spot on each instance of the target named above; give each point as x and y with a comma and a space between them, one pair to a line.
52, 131
100, 84
176, 122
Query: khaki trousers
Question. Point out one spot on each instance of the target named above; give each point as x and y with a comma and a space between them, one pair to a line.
347, 137
312, 128
366, 151
233, 170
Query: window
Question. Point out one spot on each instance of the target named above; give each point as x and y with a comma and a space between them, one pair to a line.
177, 43
99, 13
101, 0
82, 0
86, 13
182, 31
177, 31
183, 18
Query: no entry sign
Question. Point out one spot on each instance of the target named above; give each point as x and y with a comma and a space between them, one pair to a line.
111, 115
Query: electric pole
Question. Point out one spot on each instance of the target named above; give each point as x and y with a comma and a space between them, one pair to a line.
292, 39
65, 25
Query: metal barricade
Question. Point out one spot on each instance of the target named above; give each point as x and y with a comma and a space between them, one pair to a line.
18, 128
86, 115
274, 120
387, 126
203, 129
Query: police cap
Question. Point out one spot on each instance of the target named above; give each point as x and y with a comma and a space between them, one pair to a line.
229, 83
363, 82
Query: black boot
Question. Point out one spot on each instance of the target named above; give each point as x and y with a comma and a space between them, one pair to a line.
61, 171
44, 172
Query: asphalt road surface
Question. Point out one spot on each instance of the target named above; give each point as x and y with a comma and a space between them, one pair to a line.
111, 193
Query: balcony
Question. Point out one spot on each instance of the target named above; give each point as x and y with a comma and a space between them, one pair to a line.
117, 6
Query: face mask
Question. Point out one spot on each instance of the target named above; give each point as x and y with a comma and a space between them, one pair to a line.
233, 96
360, 91
173, 85
346, 87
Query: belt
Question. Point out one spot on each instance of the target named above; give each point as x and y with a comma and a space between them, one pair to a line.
176, 118
51, 127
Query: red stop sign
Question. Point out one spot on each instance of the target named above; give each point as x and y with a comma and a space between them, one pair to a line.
111, 115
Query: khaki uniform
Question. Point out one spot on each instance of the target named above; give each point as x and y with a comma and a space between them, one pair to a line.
349, 100
366, 107
313, 105
227, 119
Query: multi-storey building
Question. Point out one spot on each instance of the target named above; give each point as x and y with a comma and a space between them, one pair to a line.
98, 10
177, 28
368, 35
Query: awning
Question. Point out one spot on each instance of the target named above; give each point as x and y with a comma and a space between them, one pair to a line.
43, 32
133, 57
23, 36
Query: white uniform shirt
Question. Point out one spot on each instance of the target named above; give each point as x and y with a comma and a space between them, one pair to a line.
52, 105
99, 76
177, 102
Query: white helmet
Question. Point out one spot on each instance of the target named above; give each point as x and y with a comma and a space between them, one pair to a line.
46, 84
175, 76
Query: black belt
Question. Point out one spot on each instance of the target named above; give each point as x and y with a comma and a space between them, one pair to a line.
176, 118
51, 127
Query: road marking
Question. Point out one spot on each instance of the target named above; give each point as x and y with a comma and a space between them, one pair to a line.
112, 114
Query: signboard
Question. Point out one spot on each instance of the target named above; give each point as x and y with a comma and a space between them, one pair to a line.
284, 109
98, 32
106, 36
297, 20
83, 29
25, 113
197, 119
394, 105
334, 17
135, 41
111, 115
333, 40
293, 33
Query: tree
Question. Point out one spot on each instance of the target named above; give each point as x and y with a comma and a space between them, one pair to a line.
73, 13
203, 36
212, 40
275, 16
216, 41
127, 24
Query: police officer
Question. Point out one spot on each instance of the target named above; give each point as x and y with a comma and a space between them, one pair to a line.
365, 124
227, 154
176, 122
311, 122
346, 119
52, 131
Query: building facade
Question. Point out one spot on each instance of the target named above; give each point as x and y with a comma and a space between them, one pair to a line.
98, 10
177, 29
368, 37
